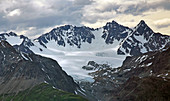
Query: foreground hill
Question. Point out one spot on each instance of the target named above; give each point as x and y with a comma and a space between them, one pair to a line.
42, 92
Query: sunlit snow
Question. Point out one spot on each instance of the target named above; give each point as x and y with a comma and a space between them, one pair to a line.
72, 59
13, 40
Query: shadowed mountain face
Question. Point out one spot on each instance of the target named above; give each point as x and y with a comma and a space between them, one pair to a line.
113, 31
19, 71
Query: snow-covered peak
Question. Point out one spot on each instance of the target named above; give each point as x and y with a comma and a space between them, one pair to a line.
143, 39
20, 42
142, 29
112, 23
12, 38
142, 22
113, 31
113, 36
12, 34
66, 27
67, 35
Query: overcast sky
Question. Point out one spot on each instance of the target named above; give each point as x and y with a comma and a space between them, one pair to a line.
35, 17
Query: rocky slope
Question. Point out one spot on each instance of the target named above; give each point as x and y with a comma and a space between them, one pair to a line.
146, 89
140, 78
19, 71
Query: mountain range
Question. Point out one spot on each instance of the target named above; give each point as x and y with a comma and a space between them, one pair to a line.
98, 64
133, 41
78, 45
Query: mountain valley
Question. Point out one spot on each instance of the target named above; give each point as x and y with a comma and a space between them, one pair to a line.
110, 63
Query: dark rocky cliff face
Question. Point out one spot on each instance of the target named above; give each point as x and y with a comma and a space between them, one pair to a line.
19, 71
114, 32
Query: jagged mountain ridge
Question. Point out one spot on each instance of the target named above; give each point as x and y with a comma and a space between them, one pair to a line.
19, 71
75, 36
74, 46
79, 38
143, 39
134, 41
68, 34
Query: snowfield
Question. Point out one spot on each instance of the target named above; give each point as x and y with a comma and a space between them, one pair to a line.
13, 40
72, 59
72, 62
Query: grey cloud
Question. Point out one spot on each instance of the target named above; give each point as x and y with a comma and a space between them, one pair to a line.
163, 26
58, 12
140, 7
134, 8
83, 2
162, 4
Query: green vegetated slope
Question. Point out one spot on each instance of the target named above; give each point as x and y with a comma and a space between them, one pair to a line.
42, 92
